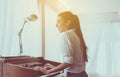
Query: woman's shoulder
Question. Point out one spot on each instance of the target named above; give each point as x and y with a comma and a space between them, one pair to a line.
67, 34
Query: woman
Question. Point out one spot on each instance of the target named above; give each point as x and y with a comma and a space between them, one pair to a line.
72, 46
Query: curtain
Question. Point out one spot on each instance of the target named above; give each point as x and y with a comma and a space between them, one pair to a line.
103, 41
12, 16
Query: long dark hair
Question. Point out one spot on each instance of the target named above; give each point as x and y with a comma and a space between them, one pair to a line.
75, 23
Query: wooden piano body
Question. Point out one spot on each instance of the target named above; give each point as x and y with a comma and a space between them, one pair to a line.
22, 66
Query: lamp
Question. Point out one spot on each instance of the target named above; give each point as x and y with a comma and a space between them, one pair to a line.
32, 17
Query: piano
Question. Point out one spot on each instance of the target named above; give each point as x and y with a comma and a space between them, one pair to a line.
23, 66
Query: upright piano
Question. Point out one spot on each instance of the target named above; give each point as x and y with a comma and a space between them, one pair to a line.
23, 66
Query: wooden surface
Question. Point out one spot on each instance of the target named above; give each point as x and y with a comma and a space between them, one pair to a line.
22, 66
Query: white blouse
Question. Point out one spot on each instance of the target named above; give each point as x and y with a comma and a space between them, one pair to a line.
72, 52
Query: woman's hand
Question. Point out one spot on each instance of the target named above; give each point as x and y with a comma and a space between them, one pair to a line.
42, 69
38, 68
48, 65
45, 71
